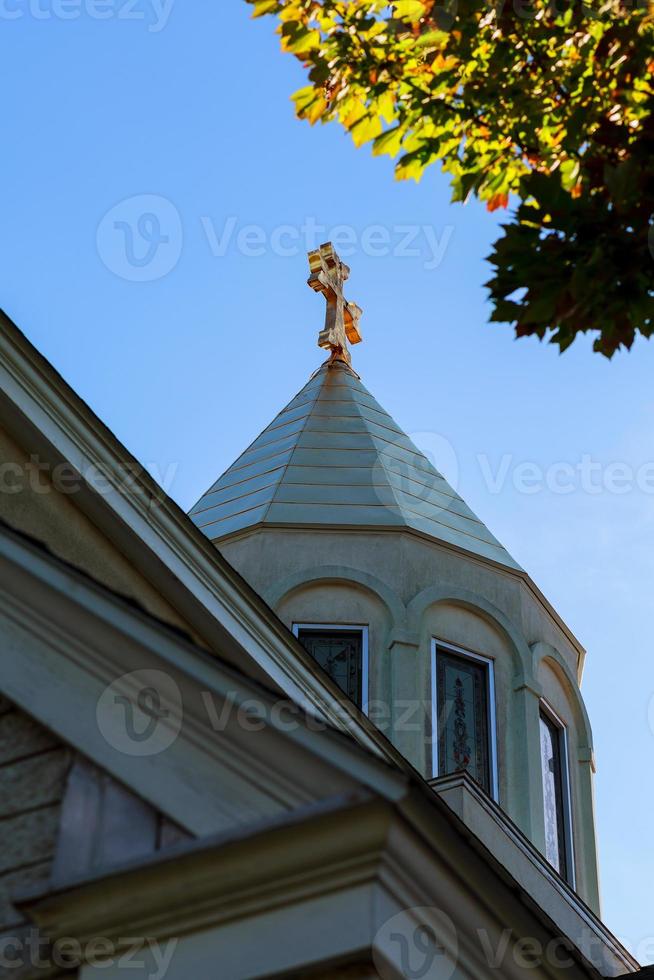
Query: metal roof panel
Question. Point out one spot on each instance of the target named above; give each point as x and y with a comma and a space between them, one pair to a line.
334, 458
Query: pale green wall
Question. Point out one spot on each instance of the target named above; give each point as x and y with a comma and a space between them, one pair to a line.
408, 590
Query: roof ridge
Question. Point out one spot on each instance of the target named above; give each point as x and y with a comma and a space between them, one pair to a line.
334, 457
381, 453
298, 435
233, 465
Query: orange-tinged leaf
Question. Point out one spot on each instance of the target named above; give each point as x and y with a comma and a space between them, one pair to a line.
497, 201
440, 63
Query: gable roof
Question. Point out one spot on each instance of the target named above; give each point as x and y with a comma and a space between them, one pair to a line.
334, 457
291, 802
224, 613
42, 413
72, 644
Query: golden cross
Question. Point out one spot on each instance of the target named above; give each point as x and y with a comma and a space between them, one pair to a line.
328, 276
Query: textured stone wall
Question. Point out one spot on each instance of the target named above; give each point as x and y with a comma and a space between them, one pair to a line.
33, 769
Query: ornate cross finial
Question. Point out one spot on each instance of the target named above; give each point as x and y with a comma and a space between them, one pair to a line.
328, 276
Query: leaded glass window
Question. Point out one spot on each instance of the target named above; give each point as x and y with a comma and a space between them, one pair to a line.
463, 721
554, 766
340, 653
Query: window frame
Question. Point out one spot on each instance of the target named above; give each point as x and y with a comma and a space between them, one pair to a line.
489, 663
548, 711
346, 628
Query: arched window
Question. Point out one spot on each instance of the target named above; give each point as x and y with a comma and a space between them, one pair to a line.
342, 652
463, 715
556, 793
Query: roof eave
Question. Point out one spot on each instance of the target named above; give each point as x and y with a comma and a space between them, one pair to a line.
161, 540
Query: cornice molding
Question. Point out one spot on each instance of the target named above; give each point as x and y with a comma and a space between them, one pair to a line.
385, 858
185, 566
302, 855
66, 639
516, 574
491, 827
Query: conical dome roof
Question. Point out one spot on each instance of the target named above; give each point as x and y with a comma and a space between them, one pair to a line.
334, 458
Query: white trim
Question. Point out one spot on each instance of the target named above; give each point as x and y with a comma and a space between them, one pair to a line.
365, 657
492, 713
571, 864
531, 871
160, 540
66, 639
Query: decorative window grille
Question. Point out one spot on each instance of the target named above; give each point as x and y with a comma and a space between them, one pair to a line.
463, 741
340, 652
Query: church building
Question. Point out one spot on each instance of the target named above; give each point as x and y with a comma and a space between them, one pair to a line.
322, 726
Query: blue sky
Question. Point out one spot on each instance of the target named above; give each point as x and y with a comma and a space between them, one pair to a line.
183, 112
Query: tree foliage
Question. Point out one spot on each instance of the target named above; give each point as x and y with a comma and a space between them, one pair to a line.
547, 103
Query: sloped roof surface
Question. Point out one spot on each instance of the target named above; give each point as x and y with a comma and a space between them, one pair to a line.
333, 457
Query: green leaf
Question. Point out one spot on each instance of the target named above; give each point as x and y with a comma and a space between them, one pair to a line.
386, 106
432, 39
302, 41
366, 129
411, 10
262, 7
389, 142
463, 186
304, 98
555, 110
569, 173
